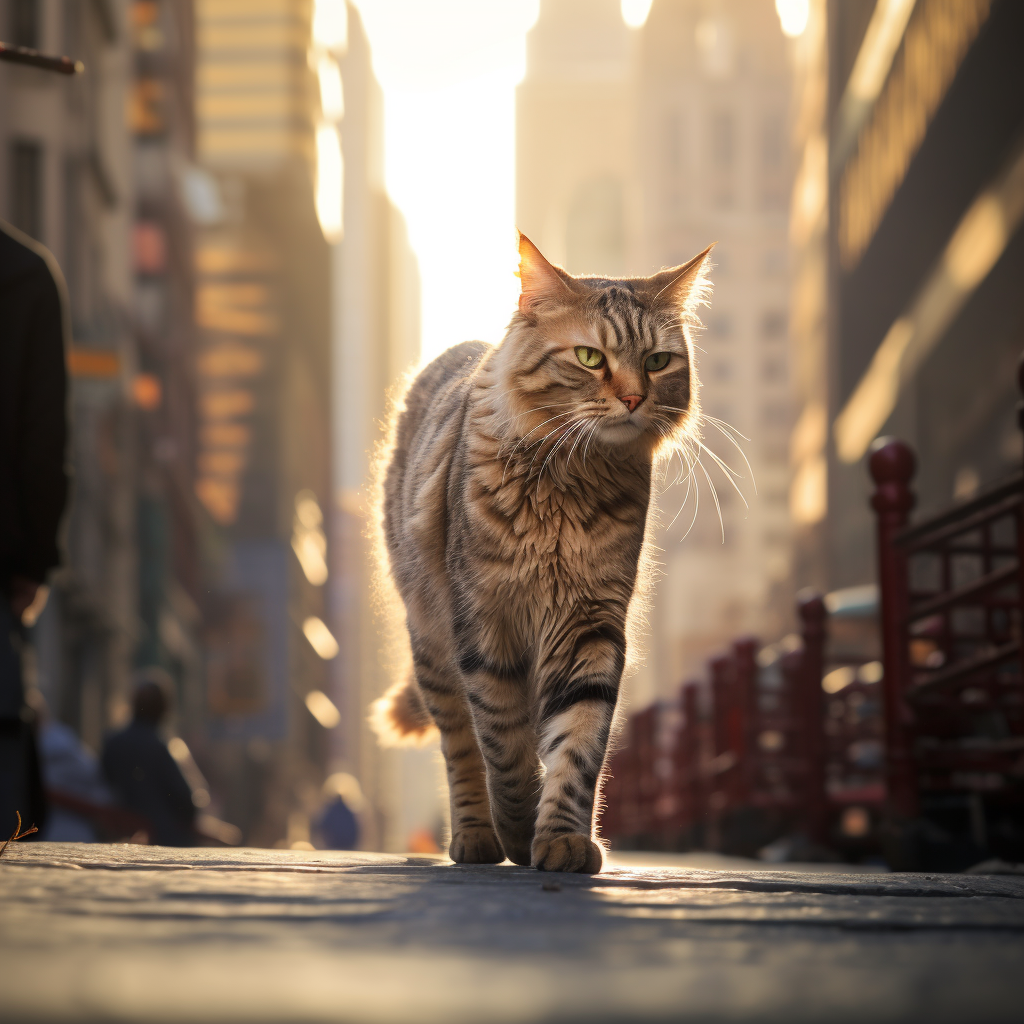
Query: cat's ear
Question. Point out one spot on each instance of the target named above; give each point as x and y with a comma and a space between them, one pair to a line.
684, 287
539, 279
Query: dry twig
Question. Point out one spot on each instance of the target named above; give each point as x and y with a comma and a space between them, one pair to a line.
17, 834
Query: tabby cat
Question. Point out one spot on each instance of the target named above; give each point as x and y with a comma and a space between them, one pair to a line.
515, 503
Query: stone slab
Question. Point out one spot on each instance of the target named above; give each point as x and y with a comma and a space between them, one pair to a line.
128, 933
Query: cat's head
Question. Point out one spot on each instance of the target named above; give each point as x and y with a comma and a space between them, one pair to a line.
607, 360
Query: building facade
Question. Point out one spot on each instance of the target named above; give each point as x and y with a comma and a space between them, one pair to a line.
907, 219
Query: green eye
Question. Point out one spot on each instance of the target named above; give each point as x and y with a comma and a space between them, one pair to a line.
657, 361
589, 357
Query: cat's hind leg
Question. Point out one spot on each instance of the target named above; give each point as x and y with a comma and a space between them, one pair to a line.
473, 837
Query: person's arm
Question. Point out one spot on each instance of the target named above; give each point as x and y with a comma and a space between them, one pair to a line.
41, 470
172, 782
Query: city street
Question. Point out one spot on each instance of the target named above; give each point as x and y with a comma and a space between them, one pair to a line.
129, 933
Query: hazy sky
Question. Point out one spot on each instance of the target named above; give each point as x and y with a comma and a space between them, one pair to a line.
449, 70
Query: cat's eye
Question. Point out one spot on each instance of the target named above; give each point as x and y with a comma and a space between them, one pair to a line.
589, 357
657, 361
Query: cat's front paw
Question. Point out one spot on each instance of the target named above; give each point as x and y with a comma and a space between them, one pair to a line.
476, 846
567, 853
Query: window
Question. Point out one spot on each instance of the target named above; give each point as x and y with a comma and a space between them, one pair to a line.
775, 414
772, 184
73, 262
674, 152
25, 23
773, 325
774, 263
27, 187
71, 20
722, 157
773, 371
674, 148
720, 327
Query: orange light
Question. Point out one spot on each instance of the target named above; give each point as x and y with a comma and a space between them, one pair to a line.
147, 391
150, 247
86, 362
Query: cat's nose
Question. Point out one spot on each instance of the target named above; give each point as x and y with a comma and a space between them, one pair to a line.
631, 401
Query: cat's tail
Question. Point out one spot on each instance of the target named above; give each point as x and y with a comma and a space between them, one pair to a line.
400, 718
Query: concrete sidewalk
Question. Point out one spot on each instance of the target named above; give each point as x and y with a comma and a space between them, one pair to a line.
128, 933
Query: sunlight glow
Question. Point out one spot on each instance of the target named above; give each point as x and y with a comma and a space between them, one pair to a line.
320, 638
881, 41
793, 15
634, 12
330, 25
869, 406
838, 679
329, 182
332, 101
978, 242
308, 539
449, 71
323, 709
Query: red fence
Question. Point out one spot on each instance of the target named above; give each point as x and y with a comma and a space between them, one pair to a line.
919, 755
757, 752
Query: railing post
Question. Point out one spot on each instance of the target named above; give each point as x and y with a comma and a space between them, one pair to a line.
811, 609
722, 754
892, 466
693, 761
744, 654
1020, 517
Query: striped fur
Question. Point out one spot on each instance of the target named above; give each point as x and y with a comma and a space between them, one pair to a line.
515, 506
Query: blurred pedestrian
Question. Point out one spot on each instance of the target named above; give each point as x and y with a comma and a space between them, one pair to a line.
33, 491
142, 773
338, 823
75, 788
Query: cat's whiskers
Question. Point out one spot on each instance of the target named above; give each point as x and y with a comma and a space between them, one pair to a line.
540, 445
554, 448
590, 437
509, 421
726, 429
586, 423
664, 425
714, 494
691, 479
560, 415
730, 474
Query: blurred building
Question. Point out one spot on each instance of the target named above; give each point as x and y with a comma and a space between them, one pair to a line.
160, 117
262, 370
907, 309
66, 181
376, 325
635, 150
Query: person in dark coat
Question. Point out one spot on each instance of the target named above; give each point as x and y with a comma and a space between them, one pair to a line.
144, 776
33, 489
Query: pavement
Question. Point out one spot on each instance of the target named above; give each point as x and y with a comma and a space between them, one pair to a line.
140, 934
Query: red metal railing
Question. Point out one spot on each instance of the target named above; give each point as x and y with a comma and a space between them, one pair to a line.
841, 749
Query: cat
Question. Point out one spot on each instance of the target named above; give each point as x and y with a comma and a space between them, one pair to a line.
515, 499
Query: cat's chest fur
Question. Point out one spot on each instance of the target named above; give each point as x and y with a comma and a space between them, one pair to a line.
562, 535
